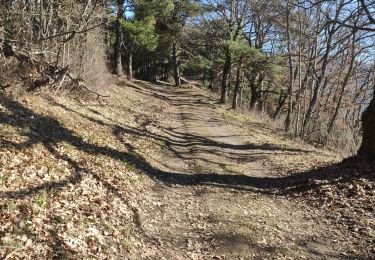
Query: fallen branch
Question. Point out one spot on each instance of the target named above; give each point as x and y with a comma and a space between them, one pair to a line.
53, 73
80, 83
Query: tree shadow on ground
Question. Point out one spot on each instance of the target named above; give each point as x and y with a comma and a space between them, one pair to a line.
49, 132
298, 181
350, 169
181, 144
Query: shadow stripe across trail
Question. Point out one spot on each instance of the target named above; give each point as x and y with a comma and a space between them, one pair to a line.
213, 195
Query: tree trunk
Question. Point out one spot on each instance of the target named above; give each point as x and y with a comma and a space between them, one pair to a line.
254, 98
117, 64
240, 97
342, 91
176, 67
280, 106
288, 119
320, 82
256, 94
165, 71
154, 72
130, 63
237, 86
226, 72
367, 149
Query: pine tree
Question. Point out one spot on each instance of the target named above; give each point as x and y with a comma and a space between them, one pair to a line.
139, 32
172, 22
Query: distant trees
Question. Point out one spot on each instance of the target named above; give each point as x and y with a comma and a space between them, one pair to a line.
309, 63
233, 16
139, 32
149, 21
174, 21
358, 17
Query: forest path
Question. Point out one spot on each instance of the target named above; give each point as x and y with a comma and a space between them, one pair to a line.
158, 172
212, 196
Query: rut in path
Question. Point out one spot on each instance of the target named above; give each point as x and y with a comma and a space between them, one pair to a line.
211, 197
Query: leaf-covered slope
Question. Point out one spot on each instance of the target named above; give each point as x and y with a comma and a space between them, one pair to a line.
68, 181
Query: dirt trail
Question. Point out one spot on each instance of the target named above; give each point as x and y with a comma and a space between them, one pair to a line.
157, 172
211, 197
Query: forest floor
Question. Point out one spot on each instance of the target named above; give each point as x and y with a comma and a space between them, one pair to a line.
156, 171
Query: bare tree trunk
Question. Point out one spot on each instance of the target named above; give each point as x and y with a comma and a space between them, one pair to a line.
226, 72
288, 119
254, 98
240, 97
117, 64
176, 67
130, 63
165, 71
343, 87
298, 96
315, 95
262, 101
237, 86
321, 80
280, 106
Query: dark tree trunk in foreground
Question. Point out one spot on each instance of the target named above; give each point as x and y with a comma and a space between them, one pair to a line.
117, 64
367, 149
176, 68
